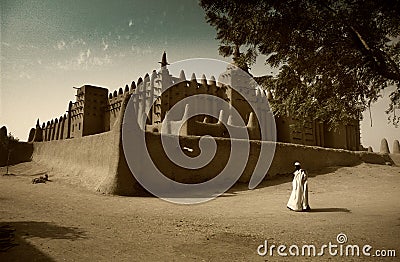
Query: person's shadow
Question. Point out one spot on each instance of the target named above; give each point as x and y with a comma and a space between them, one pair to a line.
329, 209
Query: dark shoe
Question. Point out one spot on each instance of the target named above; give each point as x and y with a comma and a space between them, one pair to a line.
307, 209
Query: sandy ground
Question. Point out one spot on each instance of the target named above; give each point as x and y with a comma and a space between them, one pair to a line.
60, 222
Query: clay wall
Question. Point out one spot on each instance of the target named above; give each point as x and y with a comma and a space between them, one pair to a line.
98, 161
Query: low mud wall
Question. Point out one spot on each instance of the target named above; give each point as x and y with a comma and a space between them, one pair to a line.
311, 157
87, 160
98, 161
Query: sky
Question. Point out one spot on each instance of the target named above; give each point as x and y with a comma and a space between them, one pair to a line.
47, 47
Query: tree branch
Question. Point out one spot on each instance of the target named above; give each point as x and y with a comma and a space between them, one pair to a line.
384, 64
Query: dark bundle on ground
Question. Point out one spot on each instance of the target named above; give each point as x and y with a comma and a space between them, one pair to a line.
41, 179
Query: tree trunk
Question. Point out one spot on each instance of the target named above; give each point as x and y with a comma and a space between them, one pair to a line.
8, 160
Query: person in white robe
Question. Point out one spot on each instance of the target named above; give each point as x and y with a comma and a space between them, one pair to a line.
298, 200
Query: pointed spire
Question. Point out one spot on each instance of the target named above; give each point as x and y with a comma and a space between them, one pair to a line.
126, 88
139, 81
203, 79
146, 79
115, 93
396, 147
252, 120
153, 75
230, 121
164, 62
144, 86
212, 81
133, 85
221, 116
185, 116
31, 135
37, 123
384, 147
43, 125
193, 85
120, 91
182, 76
3, 133
153, 78
193, 78
110, 96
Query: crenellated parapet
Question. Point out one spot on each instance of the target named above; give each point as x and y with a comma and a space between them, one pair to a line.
47, 131
114, 102
96, 110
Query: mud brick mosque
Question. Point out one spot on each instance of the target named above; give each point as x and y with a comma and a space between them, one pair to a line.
96, 110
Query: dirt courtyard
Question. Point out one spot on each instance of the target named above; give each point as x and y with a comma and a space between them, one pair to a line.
58, 221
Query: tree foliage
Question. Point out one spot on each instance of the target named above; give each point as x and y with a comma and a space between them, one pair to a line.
8, 144
335, 56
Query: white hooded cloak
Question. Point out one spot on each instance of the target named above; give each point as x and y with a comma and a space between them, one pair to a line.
299, 197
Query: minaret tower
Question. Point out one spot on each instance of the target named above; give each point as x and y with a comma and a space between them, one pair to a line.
164, 62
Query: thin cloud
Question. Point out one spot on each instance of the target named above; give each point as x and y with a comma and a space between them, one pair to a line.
81, 58
77, 42
85, 60
137, 50
74, 42
99, 61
